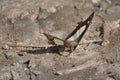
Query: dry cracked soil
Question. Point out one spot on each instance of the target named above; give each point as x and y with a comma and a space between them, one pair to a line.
23, 22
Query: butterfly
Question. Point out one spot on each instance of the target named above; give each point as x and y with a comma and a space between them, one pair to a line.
72, 40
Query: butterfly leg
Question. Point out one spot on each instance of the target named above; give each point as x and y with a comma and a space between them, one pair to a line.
64, 51
67, 52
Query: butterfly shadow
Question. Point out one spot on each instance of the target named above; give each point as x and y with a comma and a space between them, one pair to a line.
51, 50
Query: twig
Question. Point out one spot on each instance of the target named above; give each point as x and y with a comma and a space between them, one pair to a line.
77, 68
105, 32
26, 46
90, 41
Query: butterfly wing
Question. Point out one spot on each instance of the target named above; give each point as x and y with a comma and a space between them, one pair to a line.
54, 40
79, 31
73, 39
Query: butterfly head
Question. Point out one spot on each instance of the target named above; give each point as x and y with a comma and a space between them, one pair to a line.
50, 38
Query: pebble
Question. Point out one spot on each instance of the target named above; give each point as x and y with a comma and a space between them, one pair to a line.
88, 55
49, 26
113, 10
109, 78
43, 15
32, 64
92, 46
40, 75
65, 53
15, 75
47, 63
75, 78
5, 46
36, 72
19, 75
22, 59
5, 75
24, 15
51, 10
10, 54
102, 4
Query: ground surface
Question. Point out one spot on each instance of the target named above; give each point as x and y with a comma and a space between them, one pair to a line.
24, 21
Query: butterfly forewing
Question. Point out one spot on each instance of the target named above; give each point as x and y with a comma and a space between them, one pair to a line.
76, 35
79, 31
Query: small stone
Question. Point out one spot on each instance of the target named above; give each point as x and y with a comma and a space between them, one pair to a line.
103, 69
109, 78
102, 4
45, 76
51, 10
15, 75
84, 57
32, 64
113, 10
5, 75
27, 71
91, 54
49, 26
17, 65
117, 76
92, 46
43, 14
22, 59
24, 15
36, 72
5, 46
40, 75
10, 54
47, 63
20, 54
75, 78
65, 53
18, 74
96, 1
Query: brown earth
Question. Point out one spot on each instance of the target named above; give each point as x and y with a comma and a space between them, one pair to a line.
23, 22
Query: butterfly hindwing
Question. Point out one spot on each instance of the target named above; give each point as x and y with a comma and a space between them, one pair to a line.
58, 41
54, 40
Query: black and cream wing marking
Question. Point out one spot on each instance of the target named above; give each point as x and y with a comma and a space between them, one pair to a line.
79, 31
